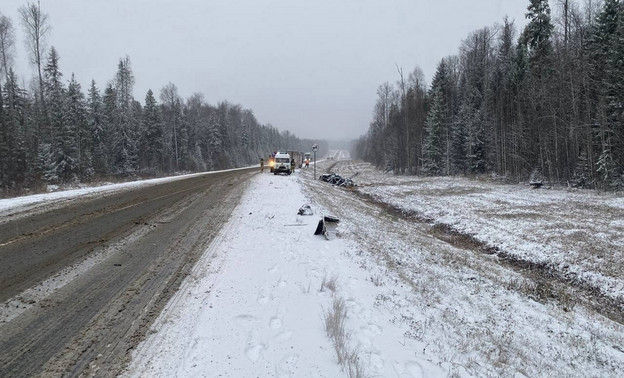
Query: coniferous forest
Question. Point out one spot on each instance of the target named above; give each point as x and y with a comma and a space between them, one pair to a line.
57, 132
542, 103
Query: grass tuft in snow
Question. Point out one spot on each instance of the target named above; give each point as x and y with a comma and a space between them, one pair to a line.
335, 327
330, 284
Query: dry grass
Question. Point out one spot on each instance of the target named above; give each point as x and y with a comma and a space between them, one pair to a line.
330, 284
348, 357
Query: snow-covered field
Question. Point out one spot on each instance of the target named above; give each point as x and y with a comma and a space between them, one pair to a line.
578, 234
398, 302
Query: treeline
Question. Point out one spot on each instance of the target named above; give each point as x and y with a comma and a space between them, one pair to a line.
56, 133
544, 103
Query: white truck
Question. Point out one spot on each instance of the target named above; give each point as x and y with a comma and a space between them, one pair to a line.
282, 163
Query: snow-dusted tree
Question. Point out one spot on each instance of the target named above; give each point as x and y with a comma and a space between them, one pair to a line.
503, 101
606, 54
183, 137
614, 143
124, 148
171, 115
36, 28
215, 142
96, 122
538, 32
380, 124
7, 133
194, 115
7, 47
432, 148
61, 132
14, 133
152, 143
77, 120
110, 123
438, 127
475, 87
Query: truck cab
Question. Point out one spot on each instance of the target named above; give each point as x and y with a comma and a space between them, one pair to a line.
282, 163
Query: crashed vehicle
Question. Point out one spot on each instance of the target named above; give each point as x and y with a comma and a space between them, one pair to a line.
337, 180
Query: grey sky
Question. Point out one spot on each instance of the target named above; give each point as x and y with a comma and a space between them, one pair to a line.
311, 67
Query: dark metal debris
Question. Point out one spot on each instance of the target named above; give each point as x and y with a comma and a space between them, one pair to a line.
327, 226
336, 179
305, 210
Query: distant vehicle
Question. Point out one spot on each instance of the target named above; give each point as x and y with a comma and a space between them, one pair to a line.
282, 163
297, 156
306, 156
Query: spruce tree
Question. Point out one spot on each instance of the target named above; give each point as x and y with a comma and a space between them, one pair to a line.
95, 120
152, 141
124, 146
77, 120
110, 124
432, 148
62, 133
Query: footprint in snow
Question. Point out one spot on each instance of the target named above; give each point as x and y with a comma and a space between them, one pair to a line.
286, 367
253, 351
275, 323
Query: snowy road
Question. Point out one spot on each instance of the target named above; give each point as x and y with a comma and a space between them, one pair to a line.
81, 279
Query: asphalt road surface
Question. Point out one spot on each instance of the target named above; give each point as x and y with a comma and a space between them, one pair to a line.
146, 240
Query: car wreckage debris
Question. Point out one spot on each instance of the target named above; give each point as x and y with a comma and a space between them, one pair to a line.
327, 226
338, 180
305, 210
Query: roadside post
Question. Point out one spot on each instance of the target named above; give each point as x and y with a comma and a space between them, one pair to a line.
314, 149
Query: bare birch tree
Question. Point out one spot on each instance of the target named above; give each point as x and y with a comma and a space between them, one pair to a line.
7, 46
37, 28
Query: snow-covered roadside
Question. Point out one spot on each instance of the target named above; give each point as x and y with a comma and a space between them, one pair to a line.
256, 304
578, 234
477, 316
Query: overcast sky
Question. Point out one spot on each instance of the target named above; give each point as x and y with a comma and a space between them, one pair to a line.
311, 67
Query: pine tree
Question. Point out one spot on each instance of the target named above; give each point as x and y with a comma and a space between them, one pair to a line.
152, 142
110, 123
538, 32
215, 143
614, 86
62, 132
96, 125
606, 76
77, 120
124, 147
15, 135
432, 148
